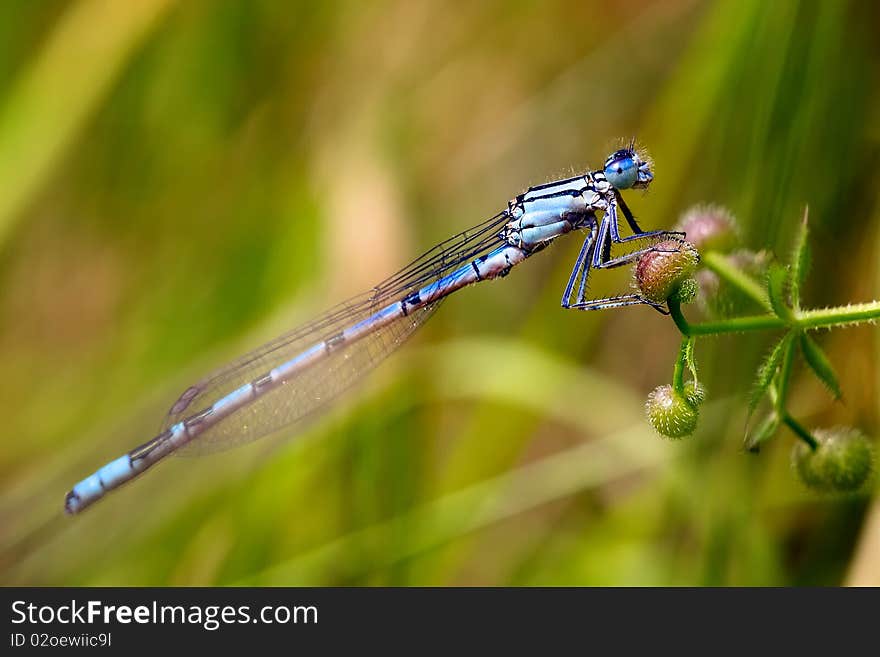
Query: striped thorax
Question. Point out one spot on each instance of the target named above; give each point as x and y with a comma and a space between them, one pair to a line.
547, 211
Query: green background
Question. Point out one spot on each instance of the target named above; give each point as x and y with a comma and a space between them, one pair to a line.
180, 182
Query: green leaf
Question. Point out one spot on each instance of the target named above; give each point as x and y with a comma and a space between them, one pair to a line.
800, 261
767, 371
819, 363
777, 280
761, 432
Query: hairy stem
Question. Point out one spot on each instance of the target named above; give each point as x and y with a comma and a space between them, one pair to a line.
680, 364
839, 316
733, 325
678, 317
806, 320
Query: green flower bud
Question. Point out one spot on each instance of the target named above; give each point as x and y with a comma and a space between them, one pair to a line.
686, 291
841, 463
659, 273
710, 227
670, 413
694, 393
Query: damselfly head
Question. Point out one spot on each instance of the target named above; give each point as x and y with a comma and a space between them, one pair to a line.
628, 168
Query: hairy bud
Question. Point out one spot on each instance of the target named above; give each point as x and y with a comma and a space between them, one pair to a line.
694, 393
841, 462
710, 227
670, 413
660, 273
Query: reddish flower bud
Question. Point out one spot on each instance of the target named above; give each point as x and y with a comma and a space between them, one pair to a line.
710, 227
659, 273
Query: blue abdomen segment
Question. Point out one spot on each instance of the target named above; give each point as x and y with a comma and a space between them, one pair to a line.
93, 487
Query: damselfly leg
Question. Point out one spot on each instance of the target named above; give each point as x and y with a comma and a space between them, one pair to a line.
581, 267
617, 302
596, 253
581, 272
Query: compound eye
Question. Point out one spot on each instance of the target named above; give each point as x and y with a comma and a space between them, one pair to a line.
622, 172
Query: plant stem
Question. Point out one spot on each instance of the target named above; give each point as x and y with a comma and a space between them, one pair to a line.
782, 393
678, 373
799, 430
738, 325
785, 374
721, 266
733, 325
839, 316
806, 320
678, 317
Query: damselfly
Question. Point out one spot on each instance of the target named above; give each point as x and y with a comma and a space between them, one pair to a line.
300, 372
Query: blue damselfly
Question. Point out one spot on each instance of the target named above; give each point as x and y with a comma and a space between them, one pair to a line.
300, 372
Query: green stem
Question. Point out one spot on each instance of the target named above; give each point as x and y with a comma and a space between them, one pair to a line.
680, 364
738, 325
733, 325
679, 318
806, 320
799, 430
782, 393
840, 316
785, 374
726, 271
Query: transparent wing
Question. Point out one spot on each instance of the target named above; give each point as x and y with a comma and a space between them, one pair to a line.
301, 397
315, 387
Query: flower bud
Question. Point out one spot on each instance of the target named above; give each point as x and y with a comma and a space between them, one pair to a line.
686, 291
841, 462
694, 393
670, 413
660, 272
709, 227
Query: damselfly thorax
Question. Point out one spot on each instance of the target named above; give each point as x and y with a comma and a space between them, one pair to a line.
548, 211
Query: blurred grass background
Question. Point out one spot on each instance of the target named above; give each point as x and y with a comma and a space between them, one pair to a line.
181, 181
